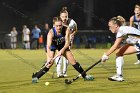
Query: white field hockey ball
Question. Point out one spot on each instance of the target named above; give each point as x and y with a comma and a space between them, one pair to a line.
47, 83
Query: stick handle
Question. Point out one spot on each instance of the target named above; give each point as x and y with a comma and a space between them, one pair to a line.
91, 66
51, 60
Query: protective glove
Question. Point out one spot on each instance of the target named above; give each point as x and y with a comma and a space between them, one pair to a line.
104, 58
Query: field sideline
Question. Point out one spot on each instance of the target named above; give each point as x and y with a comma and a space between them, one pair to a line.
17, 66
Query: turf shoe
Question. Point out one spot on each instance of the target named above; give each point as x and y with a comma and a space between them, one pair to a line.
60, 76
89, 78
35, 80
65, 75
138, 62
116, 78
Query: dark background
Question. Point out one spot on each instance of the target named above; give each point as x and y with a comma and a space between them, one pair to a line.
30, 12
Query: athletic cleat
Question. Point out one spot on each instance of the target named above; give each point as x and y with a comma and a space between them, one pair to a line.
138, 62
116, 78
89, 78
35, 80
60, 76
65, 75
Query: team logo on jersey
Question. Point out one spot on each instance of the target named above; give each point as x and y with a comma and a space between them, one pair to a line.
59, 41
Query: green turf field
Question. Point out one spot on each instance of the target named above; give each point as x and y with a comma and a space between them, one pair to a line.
17, 66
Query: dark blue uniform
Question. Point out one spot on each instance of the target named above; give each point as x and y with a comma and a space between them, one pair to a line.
136, 23
58, 41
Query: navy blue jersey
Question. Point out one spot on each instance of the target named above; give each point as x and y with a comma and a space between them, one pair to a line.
58, 41
136, 23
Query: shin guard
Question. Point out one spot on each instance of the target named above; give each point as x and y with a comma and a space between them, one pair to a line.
41, 72
79, 69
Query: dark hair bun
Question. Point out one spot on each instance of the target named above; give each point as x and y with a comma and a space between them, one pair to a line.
64, 9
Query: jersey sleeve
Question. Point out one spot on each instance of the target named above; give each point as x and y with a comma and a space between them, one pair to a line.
120, 33
72, 25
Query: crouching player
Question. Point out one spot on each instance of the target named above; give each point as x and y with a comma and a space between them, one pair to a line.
132, 37
58, 38
66, 21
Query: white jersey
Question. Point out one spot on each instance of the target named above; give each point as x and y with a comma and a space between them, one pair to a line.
127, 31
13, 36
26, 33
131, 36
13, 33
72, 25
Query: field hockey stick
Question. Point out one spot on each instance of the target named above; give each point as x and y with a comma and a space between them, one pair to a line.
56, 66
74, 79
48, 62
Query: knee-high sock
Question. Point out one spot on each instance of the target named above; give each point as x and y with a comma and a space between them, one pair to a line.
119, 65
58, 62
79, 69
41, 72
65, 65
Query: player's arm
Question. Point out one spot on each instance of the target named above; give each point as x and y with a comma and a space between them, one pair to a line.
131, 21
115, 46
75, 31
112, 49
49, 42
